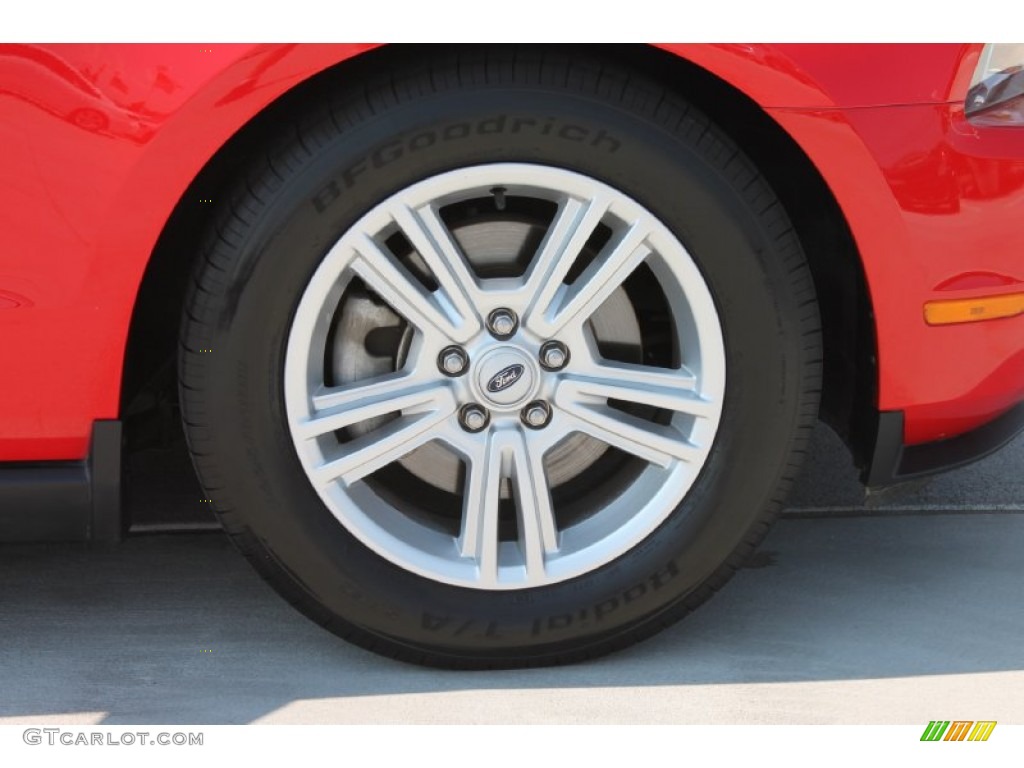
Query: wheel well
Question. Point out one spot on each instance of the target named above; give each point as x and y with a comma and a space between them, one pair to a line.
149, 389
849, 395
149, 383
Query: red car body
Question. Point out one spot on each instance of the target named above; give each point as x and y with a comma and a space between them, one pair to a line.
102, 144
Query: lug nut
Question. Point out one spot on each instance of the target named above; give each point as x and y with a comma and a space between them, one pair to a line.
554, 355
453, 361
502, 323
536, 415
473, 417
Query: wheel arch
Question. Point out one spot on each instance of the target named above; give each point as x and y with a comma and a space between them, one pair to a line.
850, 375
149, 350
734, 86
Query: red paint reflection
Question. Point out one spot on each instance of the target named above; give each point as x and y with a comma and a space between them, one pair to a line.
39, 77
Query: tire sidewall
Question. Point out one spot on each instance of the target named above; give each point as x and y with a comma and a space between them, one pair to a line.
679, 173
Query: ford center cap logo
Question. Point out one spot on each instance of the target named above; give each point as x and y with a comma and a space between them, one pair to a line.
505, 378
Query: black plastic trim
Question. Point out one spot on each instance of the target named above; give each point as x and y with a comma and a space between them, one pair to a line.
893, 462
66, 500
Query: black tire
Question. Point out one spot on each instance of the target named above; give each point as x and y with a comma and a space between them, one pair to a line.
358, 147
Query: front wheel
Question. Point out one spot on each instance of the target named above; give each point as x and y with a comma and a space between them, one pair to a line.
506, 369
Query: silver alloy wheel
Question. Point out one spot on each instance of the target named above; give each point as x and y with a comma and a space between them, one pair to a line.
422, 404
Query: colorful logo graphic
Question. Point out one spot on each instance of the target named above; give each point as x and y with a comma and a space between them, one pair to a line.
958, 730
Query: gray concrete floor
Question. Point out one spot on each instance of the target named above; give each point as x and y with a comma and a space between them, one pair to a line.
895, 610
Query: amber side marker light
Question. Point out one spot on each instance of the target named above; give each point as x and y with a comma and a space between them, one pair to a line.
952, 311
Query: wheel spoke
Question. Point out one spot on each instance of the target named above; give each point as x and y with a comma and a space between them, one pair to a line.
389, 443
434, 243
673, 390
597, 282
479, 536
505, 453
406, 296
572, 226
339, 407
659, 444
538, 536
